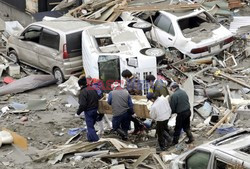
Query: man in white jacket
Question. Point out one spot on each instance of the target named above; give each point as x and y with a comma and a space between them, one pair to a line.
160, 112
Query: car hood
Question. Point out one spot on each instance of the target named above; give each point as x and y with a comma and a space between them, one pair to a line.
207, 34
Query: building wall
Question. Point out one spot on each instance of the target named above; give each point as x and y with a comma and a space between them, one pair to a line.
18, 4
8, 12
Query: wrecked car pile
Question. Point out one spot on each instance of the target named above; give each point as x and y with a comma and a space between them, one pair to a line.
177, 41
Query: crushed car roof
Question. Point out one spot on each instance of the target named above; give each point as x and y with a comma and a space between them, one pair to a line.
236, 144
64, 24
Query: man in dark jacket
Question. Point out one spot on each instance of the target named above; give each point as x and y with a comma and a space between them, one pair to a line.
122, 109
134, 87
179, 104
158, 86
88, 102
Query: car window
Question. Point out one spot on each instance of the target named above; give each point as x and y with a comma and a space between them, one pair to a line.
74, 44
198, 160
32, 34
165, 24
50, 39
195, 21
220, 164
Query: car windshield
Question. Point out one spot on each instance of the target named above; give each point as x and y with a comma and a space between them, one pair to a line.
198, 25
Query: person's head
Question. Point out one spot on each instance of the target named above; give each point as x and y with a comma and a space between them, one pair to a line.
151, 96
115, 85
174, 86
150, 79
82, 82
126, 74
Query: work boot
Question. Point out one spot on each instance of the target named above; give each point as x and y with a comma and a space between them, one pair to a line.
123, 134
190, 137
175, 140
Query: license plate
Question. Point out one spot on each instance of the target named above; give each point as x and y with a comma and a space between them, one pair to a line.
215, 48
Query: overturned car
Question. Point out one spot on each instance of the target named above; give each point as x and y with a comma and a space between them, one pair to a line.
110, 48
194, 33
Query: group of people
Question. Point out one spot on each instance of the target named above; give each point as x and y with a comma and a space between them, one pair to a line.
122, 108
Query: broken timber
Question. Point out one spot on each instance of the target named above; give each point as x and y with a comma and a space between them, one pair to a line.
219, 73
228, 112
159, 8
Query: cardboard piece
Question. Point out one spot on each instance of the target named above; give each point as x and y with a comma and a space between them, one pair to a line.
140, 110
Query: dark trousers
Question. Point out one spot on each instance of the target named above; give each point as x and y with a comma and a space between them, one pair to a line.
122, 122
182, 122
162, 133
91, 116
137, 124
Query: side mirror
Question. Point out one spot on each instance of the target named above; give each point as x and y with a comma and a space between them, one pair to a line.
181, 164
21, 37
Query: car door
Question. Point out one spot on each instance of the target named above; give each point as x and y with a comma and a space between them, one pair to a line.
48, 51
163, 31
27, 45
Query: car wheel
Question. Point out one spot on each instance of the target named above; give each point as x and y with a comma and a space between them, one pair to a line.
145, 26
155, 52
13, 56
58, 75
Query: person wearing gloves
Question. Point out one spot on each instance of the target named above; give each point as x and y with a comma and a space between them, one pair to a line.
88, 102
160, 112
179, 103
122, 109
158, 87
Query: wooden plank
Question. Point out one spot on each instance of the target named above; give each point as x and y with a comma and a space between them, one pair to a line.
157, 157
141, 159
116, 143
134, 153
116, 14
97, 5
79, 8
98, 13
158, 8
107, 13
217, 73
56, 155
228, 112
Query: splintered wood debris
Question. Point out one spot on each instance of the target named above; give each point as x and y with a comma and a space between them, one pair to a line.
86, 149
109, 11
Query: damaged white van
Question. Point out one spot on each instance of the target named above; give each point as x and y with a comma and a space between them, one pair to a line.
110, 48
195, 33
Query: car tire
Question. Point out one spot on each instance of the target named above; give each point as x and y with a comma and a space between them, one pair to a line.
154, 52
157, 52
145, 26
13, 56
58, 74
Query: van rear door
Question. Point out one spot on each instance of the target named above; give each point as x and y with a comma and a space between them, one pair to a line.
74, 49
